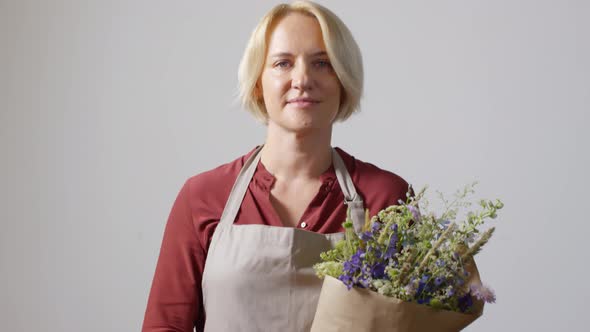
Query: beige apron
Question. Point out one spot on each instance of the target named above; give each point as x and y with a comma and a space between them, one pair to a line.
260, 277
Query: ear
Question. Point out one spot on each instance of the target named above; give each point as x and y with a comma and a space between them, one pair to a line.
258, 90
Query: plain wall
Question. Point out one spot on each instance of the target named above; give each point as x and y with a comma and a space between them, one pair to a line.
107, 107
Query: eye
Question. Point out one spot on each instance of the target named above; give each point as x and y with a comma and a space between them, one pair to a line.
323, 64
282, 64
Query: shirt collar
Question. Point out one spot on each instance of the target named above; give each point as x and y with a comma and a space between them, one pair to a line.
266, 179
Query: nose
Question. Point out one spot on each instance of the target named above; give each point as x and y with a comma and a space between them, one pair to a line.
302, 77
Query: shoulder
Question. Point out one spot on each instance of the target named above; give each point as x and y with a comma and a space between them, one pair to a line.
211, 188
378, 187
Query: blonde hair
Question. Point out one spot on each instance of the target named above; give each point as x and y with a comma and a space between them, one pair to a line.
343, 52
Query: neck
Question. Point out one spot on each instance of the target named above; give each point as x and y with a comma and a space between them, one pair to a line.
291, 155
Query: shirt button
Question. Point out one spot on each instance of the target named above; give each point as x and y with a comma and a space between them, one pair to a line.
303, 224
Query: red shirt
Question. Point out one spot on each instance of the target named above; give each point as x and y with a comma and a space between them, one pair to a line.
175, 301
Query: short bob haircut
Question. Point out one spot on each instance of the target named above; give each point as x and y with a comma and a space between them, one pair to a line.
343, 52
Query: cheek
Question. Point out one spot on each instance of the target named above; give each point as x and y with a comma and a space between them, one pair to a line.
338, 91
273, 87
335, 89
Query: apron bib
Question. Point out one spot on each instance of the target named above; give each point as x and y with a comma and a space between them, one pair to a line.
260, 277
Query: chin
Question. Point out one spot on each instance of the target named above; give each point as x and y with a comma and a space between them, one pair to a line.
301, 121
306, 127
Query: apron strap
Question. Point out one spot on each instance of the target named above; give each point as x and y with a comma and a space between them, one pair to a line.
238, 191
351, 198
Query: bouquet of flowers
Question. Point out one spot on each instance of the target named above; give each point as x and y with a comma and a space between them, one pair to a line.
407, 270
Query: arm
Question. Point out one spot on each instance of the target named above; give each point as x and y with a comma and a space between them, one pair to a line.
175, 302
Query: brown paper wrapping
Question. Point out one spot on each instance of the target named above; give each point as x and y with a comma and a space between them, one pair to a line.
362, 310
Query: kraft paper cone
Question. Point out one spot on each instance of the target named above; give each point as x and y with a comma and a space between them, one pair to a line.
362, 310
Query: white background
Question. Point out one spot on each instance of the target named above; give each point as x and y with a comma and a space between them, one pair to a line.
107, 107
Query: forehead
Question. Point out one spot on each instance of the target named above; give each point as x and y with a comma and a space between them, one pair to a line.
296, 32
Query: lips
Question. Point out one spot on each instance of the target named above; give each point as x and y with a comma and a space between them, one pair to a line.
302, 104
302, 100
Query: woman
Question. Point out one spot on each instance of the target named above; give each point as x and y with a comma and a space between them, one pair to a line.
241, 239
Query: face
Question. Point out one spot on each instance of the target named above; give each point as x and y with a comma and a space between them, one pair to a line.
300, 89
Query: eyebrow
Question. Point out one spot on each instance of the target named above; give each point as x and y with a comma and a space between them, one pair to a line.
287, 54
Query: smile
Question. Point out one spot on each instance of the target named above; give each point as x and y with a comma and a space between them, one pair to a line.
303, 103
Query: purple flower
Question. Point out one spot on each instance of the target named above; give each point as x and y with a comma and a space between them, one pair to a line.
348, 267
421, 286
391, 250
450, 292
351, 267
356, 271
356, 259
483, 293
375, 226
438, 281
378, 271
346, 280
465, 302
424, 300
415, 212
366, 236
392, 247
364, 281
